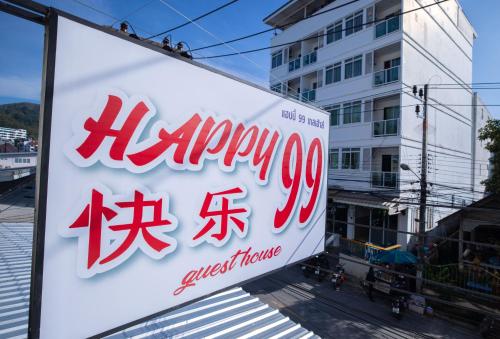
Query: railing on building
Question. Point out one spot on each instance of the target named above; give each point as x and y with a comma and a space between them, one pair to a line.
293, 64
385, 127
385, 179
362, 250
386, 76
308, 96
310, 58
294, 94
470, 277
387, 26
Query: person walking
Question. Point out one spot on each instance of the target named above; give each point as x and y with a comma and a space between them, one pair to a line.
370, 277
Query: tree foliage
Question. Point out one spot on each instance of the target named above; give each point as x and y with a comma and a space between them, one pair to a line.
491, 134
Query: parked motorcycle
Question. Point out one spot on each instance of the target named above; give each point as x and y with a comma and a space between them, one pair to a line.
317, 266
398, 305
338, 276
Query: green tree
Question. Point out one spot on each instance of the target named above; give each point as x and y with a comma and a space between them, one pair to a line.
491, 134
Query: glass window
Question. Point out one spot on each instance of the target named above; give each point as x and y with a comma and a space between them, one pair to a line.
391, 112
329, 75
277, 59
336, 72
350, 158
334, 32
353, 67
354, 23
357, 66
358, 21
337, 31
352, 112
334, 111
349, 23
333, 73
334, 158
329, 34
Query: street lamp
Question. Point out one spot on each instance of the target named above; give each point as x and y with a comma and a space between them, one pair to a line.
405, 167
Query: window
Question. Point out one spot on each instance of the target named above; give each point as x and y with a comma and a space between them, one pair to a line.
354, 23
333, 73
334, 158
334, 111
334, 32
350, 158
391, 112
277, 59
353, 67
276, 88
352, 112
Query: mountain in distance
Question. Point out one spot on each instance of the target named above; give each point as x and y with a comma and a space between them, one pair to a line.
21, 115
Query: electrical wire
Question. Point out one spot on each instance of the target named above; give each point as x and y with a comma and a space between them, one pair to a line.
138, 9
320, 35
190, 21
274, 28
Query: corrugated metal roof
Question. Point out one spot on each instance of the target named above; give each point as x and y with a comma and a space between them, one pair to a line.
230, 314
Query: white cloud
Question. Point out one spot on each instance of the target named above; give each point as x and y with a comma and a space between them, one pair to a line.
20, 87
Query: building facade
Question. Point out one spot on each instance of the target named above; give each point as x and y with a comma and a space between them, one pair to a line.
11, 134
359, 61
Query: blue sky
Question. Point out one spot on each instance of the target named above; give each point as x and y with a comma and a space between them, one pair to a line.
21, 42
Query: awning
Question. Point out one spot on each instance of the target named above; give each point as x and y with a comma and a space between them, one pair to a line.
391, 204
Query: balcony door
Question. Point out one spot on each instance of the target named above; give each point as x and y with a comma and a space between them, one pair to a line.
389, 169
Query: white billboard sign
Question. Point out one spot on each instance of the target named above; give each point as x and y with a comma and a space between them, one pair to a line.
166, 182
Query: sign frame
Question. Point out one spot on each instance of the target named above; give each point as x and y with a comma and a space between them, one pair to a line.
45, 121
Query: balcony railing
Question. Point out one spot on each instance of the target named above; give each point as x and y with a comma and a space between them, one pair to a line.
387, 26
310, 58
308, 96
386, 76
293, 64
385, 127
385, 179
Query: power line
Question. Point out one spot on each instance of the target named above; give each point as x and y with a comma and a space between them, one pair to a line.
138, 9
229, 46
319, 35
104, 13
274, 28
190, 21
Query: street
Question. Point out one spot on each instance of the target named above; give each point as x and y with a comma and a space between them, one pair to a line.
345, 313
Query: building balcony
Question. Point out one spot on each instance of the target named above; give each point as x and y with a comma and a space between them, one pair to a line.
387, 26
386, 76
385, 180
294, 64
309, 95
310, 58
385, 128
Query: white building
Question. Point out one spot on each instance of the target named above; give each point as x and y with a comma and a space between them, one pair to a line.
363, 72
11, 134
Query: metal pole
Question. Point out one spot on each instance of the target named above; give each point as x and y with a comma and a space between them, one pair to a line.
423, 197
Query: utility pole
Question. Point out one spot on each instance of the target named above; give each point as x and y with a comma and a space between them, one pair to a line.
423, 190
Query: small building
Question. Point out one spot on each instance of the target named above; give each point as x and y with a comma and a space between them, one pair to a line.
476, 227
11, 134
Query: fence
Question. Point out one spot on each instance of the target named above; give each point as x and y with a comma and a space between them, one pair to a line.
470, 277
